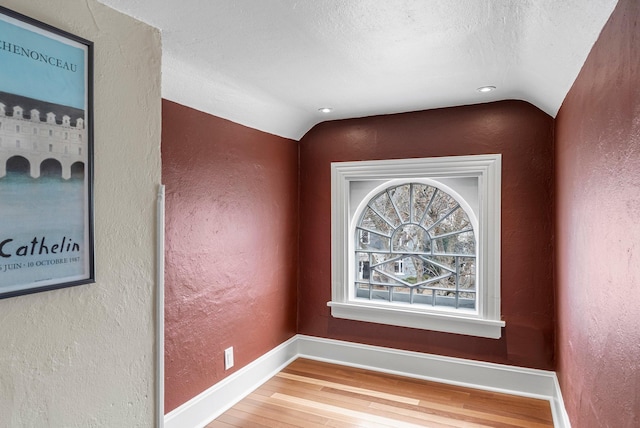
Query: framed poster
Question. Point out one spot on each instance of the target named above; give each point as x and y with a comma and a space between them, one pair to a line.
46, 157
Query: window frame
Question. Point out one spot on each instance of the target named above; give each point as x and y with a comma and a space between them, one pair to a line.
486, 320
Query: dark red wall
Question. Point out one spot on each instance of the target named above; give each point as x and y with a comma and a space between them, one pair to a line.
231, 246
598, 231
524, 136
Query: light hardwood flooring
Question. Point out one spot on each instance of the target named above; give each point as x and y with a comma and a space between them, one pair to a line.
315, 394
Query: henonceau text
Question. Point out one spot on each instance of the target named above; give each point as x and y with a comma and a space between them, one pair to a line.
38, 56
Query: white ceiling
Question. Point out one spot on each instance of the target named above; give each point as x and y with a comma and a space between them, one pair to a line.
271, 64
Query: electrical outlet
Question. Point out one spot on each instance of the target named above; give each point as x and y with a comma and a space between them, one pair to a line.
228, 358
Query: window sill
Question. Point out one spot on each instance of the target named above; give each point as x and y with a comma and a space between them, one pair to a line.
444, 322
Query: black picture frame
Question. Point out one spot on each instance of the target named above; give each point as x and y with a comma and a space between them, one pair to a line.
46, 157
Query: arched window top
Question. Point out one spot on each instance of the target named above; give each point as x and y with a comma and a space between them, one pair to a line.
425, 202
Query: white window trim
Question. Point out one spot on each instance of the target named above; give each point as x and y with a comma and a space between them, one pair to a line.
486, 321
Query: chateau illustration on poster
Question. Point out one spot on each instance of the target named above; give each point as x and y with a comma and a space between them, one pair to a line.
46, 150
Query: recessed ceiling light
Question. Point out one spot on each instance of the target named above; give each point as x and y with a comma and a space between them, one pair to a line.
325, 110
486, 88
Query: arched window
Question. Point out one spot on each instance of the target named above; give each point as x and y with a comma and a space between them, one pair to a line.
416, 243
419, 244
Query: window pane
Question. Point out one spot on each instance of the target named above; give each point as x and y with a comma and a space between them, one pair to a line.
441, 205
373, 221
380, 278
383, 205
389, 268
410, 238
372, 242
422, 195
430, 271
379, 258
363, 266
461, 243
467, 271
401, 199
467, 282
401, 294
455, 221
469, 263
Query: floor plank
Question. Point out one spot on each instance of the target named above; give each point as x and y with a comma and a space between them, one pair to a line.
312, 394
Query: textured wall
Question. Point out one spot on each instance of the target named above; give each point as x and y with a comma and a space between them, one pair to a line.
524, 136
598, 234
231, 246
83, 356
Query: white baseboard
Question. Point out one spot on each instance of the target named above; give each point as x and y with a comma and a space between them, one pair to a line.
205, 407
202, 409
559, 412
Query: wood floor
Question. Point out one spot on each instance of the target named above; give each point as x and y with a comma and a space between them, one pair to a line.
314, 394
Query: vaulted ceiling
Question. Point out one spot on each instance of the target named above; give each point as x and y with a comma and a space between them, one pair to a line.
272, 64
